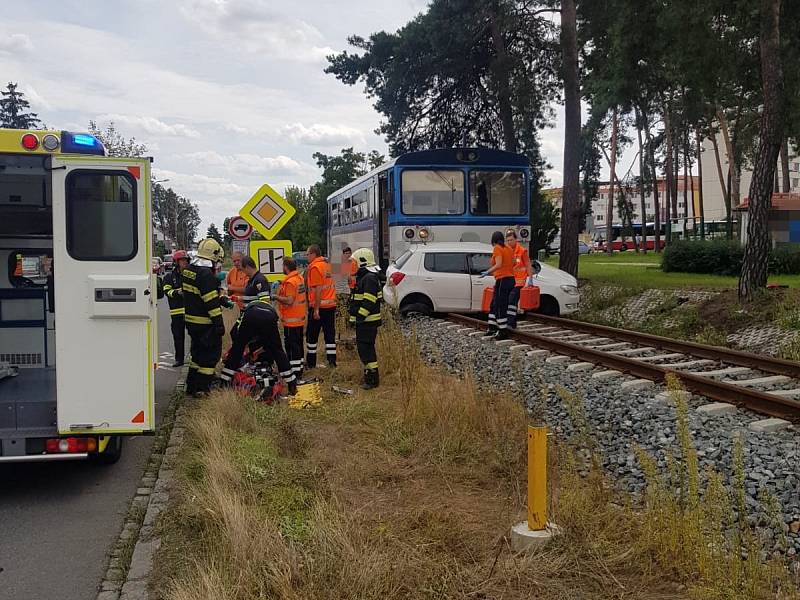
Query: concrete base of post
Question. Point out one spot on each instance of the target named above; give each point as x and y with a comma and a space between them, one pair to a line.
524, 539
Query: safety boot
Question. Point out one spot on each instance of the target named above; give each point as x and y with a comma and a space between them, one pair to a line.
490, 332
371, 379
292, 387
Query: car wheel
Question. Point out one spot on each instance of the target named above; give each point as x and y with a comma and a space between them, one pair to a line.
416, 308
112, 453
548, 306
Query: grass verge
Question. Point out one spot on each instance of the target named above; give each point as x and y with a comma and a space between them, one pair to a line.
407, 492
628, 269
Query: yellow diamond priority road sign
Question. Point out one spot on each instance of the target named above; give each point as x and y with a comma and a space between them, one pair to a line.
267, 211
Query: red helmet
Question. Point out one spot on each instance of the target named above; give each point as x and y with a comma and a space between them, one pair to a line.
179, 254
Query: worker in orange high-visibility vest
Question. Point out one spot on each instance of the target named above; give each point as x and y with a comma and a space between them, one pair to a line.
503, 270
18, 267
523, 275
293, 309
321, 307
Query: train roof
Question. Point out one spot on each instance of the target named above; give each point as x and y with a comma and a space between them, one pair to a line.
444, 156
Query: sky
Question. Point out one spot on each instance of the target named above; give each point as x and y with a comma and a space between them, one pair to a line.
226, 94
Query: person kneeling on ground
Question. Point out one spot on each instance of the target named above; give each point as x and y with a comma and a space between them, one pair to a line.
258, 327
365, 308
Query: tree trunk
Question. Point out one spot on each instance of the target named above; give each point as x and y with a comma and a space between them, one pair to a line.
700, 205
720, 174
771, 136
686, 181
656, 205
570, 208
669, 171
776, 187
642, 199
500, 68
613, 166
787, 186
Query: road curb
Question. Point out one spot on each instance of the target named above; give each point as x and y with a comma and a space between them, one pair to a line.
131, 560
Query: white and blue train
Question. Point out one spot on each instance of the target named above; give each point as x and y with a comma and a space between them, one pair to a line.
446, 195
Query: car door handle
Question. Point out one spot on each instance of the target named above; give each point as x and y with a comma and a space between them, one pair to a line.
427, 279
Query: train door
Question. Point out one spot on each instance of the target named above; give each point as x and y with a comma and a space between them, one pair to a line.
384, 205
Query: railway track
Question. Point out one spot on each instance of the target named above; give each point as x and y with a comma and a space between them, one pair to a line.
763, 384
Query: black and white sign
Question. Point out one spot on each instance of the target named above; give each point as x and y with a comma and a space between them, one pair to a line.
270, 261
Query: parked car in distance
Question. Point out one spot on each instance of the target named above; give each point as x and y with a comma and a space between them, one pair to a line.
555, 247
445, 277
301, 258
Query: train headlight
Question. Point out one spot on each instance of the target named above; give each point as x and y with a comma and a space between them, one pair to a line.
409, 234
524, 233
423, 234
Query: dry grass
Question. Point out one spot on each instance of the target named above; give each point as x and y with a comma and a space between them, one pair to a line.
404, 493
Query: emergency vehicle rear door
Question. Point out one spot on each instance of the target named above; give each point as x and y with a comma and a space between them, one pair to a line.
105, 295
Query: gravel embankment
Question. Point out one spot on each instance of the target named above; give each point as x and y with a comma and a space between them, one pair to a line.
621, 420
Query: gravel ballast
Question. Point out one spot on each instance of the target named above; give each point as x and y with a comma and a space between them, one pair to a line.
622, 419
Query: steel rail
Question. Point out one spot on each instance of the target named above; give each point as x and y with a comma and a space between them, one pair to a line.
716, 390
777, 366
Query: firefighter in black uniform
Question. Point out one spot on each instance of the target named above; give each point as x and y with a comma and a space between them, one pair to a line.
366, 309
258, 329
174, 293
203, 315
257, 285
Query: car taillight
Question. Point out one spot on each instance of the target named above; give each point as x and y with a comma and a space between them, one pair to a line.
396, 277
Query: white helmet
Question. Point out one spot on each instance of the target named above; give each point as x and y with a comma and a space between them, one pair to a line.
364, 258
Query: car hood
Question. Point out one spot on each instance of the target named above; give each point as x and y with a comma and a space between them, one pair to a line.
554, 276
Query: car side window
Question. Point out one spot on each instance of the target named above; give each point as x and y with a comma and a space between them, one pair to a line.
446, 262
478, 263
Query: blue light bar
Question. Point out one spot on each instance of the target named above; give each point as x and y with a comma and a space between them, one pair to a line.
81, 143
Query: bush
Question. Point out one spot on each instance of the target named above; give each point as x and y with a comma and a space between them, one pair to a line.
716, 257
724, 257
785, 260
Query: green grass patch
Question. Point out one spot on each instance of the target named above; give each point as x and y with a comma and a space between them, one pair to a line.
628, 269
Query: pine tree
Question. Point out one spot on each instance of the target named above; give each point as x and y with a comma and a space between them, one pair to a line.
214, 233
13, 107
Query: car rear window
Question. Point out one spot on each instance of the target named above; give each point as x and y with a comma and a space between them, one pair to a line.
403, 259
446, 262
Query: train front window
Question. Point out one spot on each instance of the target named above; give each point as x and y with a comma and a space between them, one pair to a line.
497, 193
433, 192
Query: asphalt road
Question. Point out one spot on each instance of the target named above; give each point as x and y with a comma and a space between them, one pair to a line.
58, 521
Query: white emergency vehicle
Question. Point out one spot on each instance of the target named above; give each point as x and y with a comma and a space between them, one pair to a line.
77, 298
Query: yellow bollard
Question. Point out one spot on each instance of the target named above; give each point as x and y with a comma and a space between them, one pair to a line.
537, 478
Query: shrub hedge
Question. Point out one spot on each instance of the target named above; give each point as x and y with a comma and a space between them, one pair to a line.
724, 257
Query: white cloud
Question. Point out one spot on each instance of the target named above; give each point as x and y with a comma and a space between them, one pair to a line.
323, 135
37, 101
251, 164
255, 26
151, 125
15, 43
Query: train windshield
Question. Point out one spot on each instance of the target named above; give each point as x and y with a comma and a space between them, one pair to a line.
434, 192
497, 193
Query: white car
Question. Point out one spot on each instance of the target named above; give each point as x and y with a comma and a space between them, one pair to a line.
445, 277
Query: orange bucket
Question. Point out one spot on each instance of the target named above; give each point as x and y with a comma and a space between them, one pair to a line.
529, 298
486, 301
